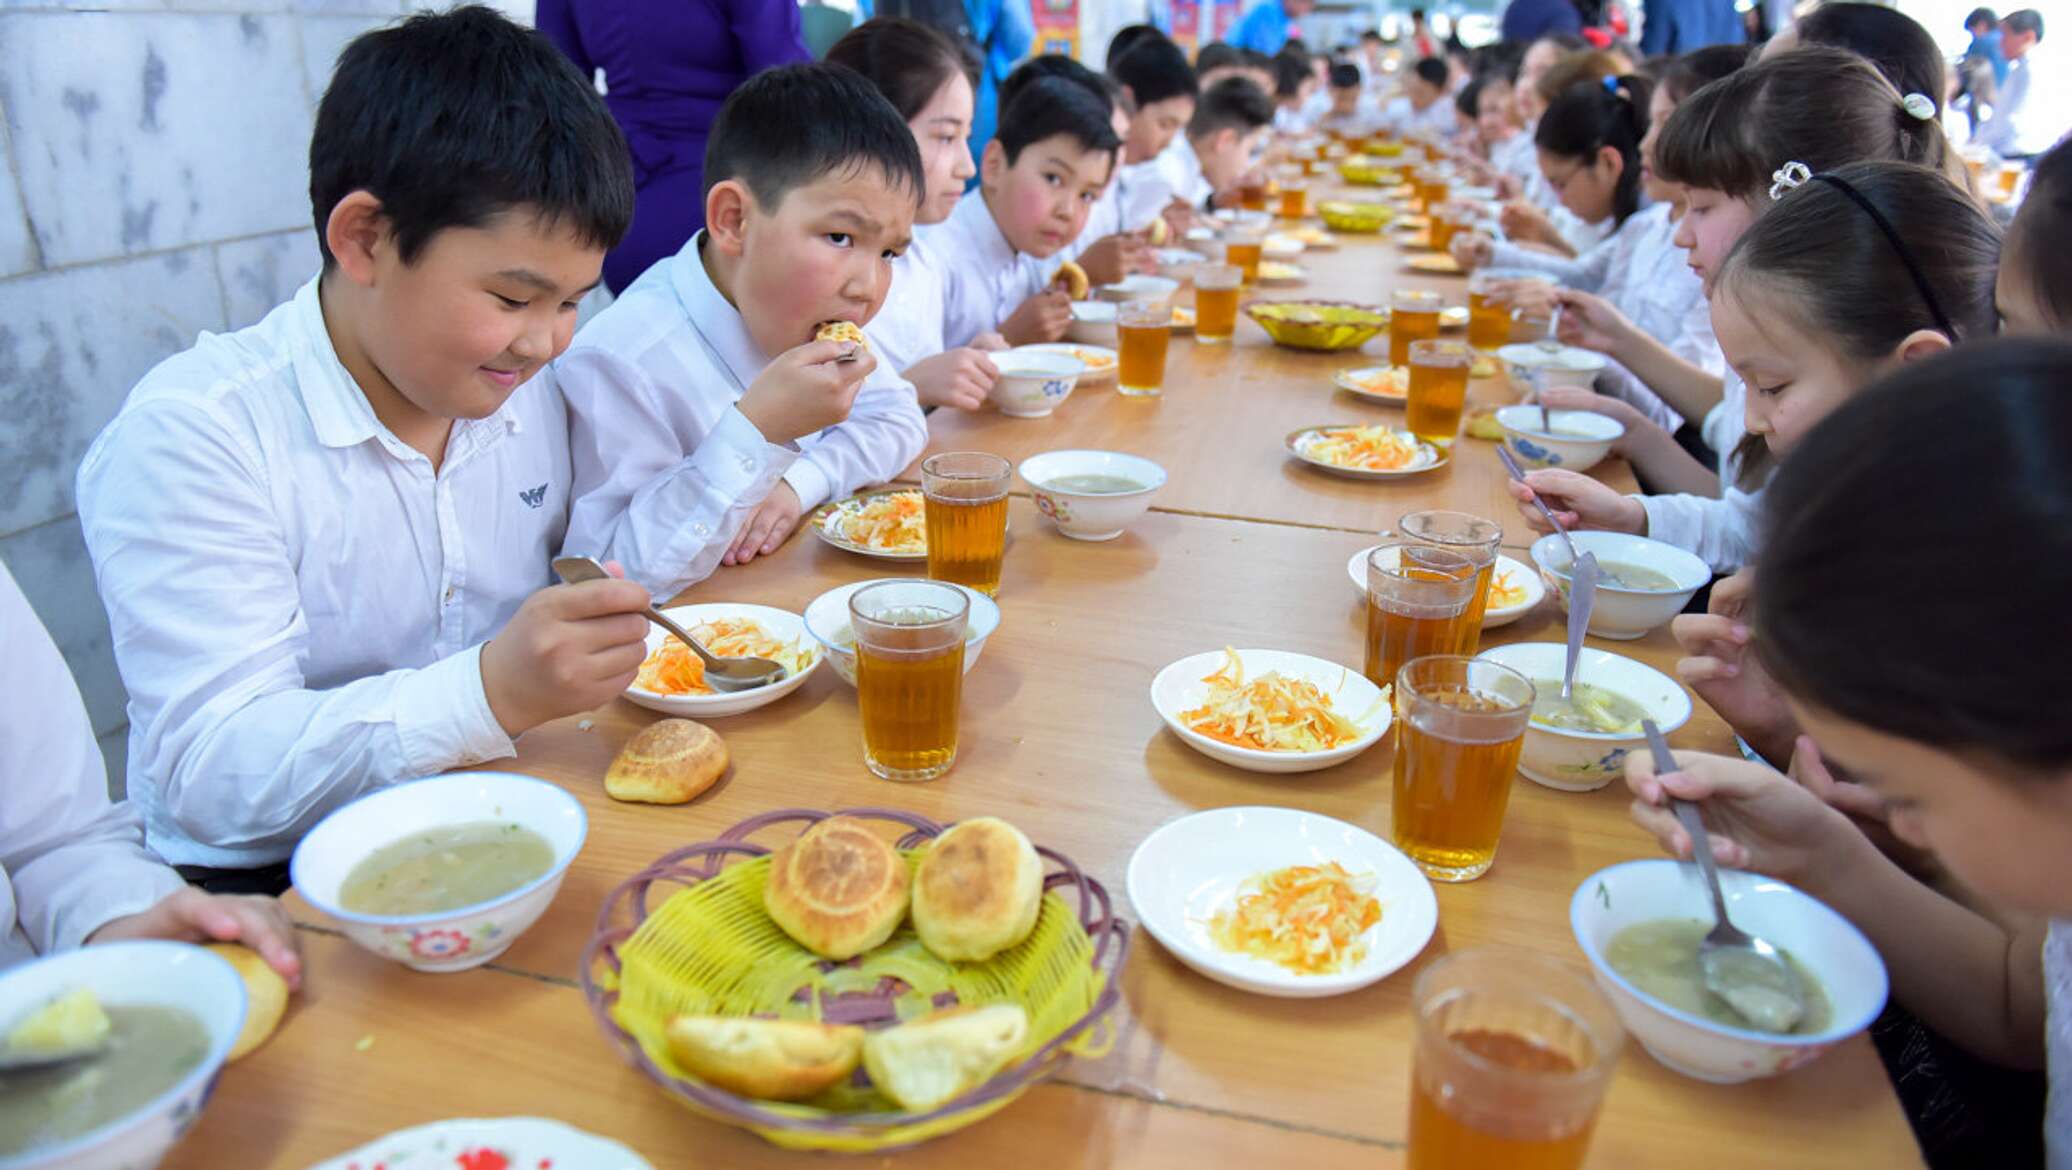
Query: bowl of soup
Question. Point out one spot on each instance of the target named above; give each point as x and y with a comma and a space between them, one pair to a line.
1639, 923
1580, 743
1093, 323
1641, 583
1092, 495
445, 873
172, 1012
1140, 286
1573, 440
1532, 366
1033, 382
828, 620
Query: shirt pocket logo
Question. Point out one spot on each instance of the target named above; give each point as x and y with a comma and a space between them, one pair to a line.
535, 497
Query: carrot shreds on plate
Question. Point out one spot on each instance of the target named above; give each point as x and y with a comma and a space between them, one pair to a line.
1505, 592
1271, 713
1370, 448
1307, 918
673, 670
893, 522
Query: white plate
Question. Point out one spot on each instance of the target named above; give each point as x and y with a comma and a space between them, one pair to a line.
780, 624
1191, 868
1428, 456
1517, 571
1100, 361
1280, 246
1453, 317
1343, 379
844, 508
1285, 276
1436, 263
525, 1143
1179, 687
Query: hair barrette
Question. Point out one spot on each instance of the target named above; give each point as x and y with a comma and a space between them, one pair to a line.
1611, 84
1920, 105
1788, 177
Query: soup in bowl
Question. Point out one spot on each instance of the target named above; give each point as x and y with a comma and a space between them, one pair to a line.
1641, 583
1582, 744
1092, 495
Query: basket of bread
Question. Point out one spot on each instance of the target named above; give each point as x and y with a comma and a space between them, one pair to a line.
870, 981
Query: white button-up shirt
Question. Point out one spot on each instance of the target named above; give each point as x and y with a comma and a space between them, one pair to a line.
1143, 189
667, 468
1725, 530
908, 329
298, 601
1439, 119
70, 861
984, 278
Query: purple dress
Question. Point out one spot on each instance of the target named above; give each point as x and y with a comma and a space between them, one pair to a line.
668, 67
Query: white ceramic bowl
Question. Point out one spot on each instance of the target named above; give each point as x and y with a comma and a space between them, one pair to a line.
1189, 869
1581, 761
1579, 441
828, 618
1824, 943
1140, 287
1623, 614
1508, 568
1088, 515
781, 624
1093, 323
1032, 384
1530, 366
133, 974
1179, 688
449, 940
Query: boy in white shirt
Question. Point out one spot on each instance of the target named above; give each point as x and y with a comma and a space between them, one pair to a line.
1426, 108
1293, 83
705, 417
1104, 249
1351, 114
323, 541
1221, 146
1162, 88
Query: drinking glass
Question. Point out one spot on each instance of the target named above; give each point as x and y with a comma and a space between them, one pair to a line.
1460, 724
1413, 316
1143, 330
1489, 303
1472, 537
964, 505
909, 675
1417, 604
1241, 244
1438, 389
1215, 302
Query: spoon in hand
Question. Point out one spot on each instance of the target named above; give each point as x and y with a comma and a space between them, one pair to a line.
1582, 579
724, 675
1745, 972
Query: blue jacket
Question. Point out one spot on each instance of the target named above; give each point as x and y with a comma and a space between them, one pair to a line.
1679, 26
1529, 20
1264, 28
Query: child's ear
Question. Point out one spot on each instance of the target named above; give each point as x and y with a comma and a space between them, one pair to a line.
992, 165
1614, 163
1225, 140
1921, 343
727, 208
356, 232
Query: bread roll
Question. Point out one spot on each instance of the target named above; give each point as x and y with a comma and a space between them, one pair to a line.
941, 1057
1074, 280
839, 889
977, 890
669, 762
1159, 232
266, 996
774, 1060
841, 331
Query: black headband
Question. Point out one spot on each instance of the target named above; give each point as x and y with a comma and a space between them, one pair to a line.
1906, 257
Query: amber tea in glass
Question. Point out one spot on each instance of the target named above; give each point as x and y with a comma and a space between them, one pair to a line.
964, 506
909, 675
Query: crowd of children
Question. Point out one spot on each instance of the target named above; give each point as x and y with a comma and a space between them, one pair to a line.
323, 541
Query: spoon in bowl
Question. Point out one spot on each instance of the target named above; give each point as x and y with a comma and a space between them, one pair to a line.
1743, 971
26, 1060
723, 675
1582, 581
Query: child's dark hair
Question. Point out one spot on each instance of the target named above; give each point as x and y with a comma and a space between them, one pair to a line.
786, 127
1585, 118
1699, 68
1218, 55
1128, 37
1591, 65
1254, 59
1890, 39
1822, 107
2039, 231
1468, 102
1431, 70
453, 118
1566, 42
1924, 655
1979, 16
1231, 104
1050, 107
1290, 70
1155, 70
908, 61
1051, 65
1345, 75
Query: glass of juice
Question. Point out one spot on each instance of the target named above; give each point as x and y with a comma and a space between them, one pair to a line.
1215, 302
1438, 389
1413, 316
1513, 1055
1460, 724
964, 505
1251, 194
1241, 244
1489, 304
1417, 604
1472, 537
1143, 329
909, 674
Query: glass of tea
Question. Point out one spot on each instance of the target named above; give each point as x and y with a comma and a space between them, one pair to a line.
1513, 1055
1241, 244
1489, 304
1431, 185
1438, 389
1460, 723
1445, 222
1143, 329
1215, 302
909, 674
964, 506
1294, 193
1472, 537
1251, 194
1413, 316
1417, 604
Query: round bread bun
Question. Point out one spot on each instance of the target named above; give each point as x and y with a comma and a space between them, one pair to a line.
1159, 232
1074, 279
841, 331
266, 995
773, 1060
924, 1064
977, 890
669, 762
839, 890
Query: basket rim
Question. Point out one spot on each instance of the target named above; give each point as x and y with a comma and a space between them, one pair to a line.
1107, 930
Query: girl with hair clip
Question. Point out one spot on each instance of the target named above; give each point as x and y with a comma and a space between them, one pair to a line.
1732, 146
2034, 292
1948, 722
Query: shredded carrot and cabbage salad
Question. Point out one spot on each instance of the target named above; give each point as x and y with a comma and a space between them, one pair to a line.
1307, 918
1370, 448
673, 670
1387, 381
1506, 591
1272, 712
894, 522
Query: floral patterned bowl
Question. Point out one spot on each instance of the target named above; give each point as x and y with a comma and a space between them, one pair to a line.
1084, 515
450, 940
1581, 761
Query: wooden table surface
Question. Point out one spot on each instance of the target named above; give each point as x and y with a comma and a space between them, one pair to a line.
1059, 737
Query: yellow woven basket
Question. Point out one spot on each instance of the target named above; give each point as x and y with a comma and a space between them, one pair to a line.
689, 935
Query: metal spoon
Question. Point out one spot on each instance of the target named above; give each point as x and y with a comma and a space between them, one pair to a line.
1745, 972
26, 1060
1582, 580
725, 675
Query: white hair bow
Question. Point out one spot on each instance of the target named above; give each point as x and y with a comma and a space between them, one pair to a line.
1788, 177
1918, 105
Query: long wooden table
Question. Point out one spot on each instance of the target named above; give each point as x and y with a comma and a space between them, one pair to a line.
1058, 735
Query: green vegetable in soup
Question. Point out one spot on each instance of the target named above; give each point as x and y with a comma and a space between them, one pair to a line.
1660, 957
1592, 708
446, 868
150, 1047
1094, 485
